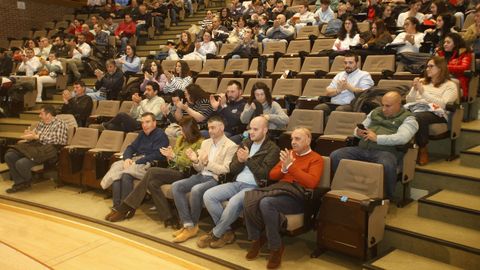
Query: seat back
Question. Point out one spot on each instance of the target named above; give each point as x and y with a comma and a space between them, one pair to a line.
378, 63
316, 87
297, 46
270, 48
208, 84
236, 65
129, 138
469, 20
322, 44
69, 119
169, 65
312, 64
107, 108
361, 177
110, 140
195, 65
222, 87
85, 137
394, 83
227, 48
292, 64
287, 87
311, 119
307, 31
343, 123
254, 65
213, 65
363, 26
251, 82
126, 106
325, 180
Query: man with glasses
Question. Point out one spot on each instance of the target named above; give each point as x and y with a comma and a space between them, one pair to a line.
345, 85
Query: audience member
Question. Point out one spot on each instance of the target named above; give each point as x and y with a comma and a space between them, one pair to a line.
180, 78
47, 73
347, 36
154, 74
108, 84
80, 105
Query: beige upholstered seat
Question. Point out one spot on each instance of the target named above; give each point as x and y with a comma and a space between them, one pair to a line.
235, 65
126, 106
359, 177
169, 65
297, 46
316, 87
226, 49
109, 141
394, 83
107, 108
375, 64
195, 65
341, 125
283, 64
311, 119
208, 84
253, 70
84, 138
129, 138
322, 44
287, 87
212, 65
269, 48
307, 31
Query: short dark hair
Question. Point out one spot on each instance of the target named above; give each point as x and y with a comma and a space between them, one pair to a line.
154, 86
48, 108
351, 54
216, 118
145, 114
81, 83
325, 2
235, 82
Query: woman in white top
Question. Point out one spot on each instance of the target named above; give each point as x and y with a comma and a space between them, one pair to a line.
411, 37
207, 46
347, 36
415, 6
179, 79
238, 31
47, 74
436, 89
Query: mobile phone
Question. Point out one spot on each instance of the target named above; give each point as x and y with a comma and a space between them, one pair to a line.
361, 126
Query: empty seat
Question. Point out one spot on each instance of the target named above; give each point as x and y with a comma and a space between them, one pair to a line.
236, 65
285, 87
338, 132
322, 44
106, 109
312, 65
297, 46
251, 82
363, 26
195, 65
308, 30
269, 48
126, 106
286, 63
226, 49
129, 138
217, 65
96, 162
395, 83
169, 65
375, 64
253, 70
314, 89
222, 88
208, 84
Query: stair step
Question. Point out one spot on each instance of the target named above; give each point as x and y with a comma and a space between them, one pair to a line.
471, 126
148, 47
452, 207
441, 241
11, 135
402, 260
15, 124
161, 40
471, 157
447, 175
57, 97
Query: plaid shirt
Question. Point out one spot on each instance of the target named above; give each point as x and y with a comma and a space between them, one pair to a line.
53, 133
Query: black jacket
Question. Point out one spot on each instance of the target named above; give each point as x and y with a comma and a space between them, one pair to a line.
111, 84
80, 107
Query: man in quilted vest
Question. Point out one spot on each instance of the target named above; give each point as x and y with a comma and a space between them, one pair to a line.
386, 127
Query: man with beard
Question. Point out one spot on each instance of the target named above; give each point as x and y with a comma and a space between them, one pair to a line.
345, 85
230, 107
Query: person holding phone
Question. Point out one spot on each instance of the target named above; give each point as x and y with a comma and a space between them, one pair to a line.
384, 128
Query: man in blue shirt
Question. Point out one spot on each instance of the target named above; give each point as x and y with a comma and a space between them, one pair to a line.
345, 85
252, 163
137, 158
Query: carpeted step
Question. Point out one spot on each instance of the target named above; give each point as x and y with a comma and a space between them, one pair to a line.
401, 260
452, 207
471, 157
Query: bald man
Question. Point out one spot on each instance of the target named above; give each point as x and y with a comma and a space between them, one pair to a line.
251, 164
385, 128
265, 208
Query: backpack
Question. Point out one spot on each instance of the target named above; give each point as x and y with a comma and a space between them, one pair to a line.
333, 27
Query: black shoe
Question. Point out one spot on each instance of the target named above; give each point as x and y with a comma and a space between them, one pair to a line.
17, 188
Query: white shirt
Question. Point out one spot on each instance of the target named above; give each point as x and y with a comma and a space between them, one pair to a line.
403, 16
324, 16
346, 43
206, 48
408, 47
358, 78
85, 51
30, 66
152, 105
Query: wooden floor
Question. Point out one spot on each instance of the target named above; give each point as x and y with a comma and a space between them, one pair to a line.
33, 240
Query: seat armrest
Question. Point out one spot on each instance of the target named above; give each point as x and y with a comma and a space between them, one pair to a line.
369, 205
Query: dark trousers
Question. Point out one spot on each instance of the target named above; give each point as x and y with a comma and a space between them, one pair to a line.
19, 166
123, 122
121, 188
271, 207
424, 119
153, 181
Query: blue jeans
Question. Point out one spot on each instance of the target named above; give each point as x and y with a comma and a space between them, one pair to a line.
94, 95
121, 189
19, 166
387, 159
197, 185
213, 198
123, 44
271, 207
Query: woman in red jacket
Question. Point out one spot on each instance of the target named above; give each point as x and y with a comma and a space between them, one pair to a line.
458, 57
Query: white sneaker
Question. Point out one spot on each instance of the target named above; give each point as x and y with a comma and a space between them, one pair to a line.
38, 100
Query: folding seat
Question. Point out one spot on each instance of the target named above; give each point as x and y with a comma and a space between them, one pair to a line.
469, 20
222, 88
307, 31
338, 132
71, 156
235, 65
208, 84
353, 212
96, 161
472, 91
311, 119
376, 64
68, 17
322, 44
269, 48
314, 67
226, 49
312, 93
363, 26
286, 63
212, 66
129, 138
62, 25
338, 66
284, 87
169, 65
106, 109
297, 46
394, 83
49, 25
251, 82
29, 99
126, 106
195, 65
253, 70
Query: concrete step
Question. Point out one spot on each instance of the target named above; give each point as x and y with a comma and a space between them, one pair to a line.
452, 207
30, 115
15, 124
449, 175
162, 40
13, 135
471, 157
57, 97
148, 47
436, 240
54, 103
398, 259
470, 135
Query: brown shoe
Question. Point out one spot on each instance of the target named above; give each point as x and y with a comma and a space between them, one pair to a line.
186, 234
422, 156
178, 232
275, 259
205, 240
226, 239
119, 216
107, 217
255, 248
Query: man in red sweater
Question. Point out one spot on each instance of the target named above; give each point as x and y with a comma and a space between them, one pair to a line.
298, 169
125, 31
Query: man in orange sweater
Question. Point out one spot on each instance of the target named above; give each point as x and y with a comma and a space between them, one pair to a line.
298, 169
